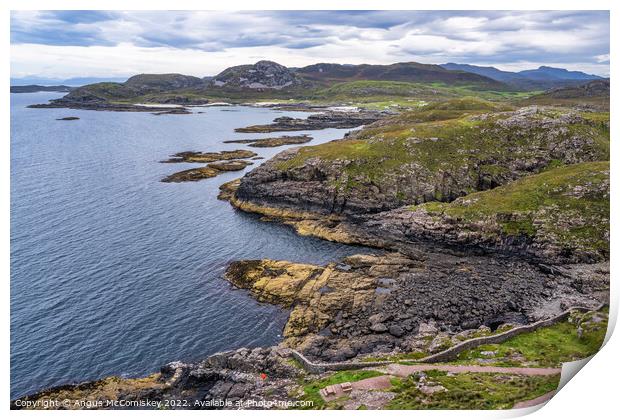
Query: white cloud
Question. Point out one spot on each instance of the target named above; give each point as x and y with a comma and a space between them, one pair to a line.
204, 43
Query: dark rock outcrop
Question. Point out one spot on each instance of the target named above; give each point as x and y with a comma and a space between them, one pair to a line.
206, 157
329, 119
262, 75
273, 141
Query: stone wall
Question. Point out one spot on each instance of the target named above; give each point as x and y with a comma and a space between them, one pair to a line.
443, 356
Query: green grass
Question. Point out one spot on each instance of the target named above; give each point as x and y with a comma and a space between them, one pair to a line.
405, 95
548, 346
467, 103
312, 388
469, 391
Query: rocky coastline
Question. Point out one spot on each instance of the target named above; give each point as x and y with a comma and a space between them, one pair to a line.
483, 219
108, 106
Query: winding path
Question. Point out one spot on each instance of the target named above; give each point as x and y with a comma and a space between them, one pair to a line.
406, 370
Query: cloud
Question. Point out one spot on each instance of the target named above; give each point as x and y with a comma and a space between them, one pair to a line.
501, 38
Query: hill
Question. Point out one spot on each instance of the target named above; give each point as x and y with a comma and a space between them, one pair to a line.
270, 80
262, 75
328, 73
595, 93
434, 153
512, 180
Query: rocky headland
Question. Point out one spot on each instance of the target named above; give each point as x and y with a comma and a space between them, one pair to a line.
490, 216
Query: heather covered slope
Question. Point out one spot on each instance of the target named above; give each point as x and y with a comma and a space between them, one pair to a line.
464, 172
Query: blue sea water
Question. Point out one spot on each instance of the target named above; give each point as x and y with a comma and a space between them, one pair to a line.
116, 273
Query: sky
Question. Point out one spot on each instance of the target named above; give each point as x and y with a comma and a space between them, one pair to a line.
66, 44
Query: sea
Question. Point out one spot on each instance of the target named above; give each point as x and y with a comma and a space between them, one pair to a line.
116, 273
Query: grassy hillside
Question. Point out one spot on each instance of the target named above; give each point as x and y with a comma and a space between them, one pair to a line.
448, 137
404, 85
567, 206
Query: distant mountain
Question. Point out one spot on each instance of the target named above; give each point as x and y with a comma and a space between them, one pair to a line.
40, 88
553, 73
74, 81
492, 72
542, 78
400, 72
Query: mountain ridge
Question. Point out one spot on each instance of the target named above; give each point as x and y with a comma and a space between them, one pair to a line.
542, 78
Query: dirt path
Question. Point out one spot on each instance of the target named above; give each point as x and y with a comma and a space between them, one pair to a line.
406, 370
332, 392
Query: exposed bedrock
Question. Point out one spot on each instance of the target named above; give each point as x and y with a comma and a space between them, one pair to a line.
382, 303
222, 381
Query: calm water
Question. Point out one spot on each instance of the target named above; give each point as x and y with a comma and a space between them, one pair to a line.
114, 272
